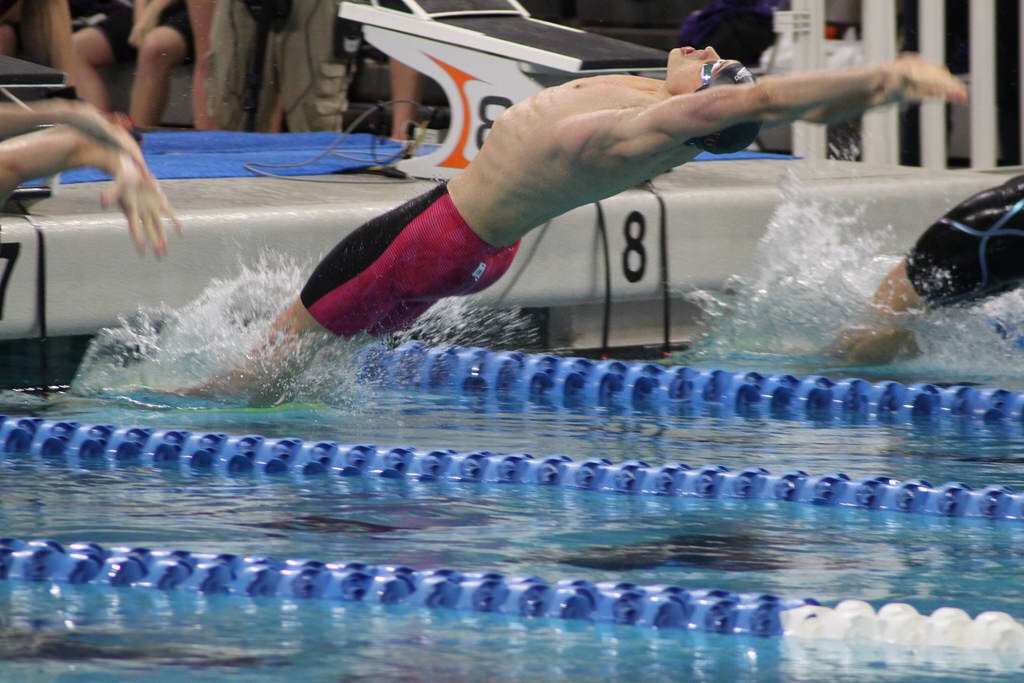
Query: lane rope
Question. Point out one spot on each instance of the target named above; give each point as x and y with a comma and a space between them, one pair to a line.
659, 607
578, 382
92, 445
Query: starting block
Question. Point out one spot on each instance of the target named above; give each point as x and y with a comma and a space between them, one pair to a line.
18, 73
486, 55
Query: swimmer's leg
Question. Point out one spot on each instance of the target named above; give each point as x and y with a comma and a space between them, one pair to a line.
377, 280
295, 320
293, 338
356, 278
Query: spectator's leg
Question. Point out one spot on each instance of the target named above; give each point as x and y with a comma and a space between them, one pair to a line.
8, 31
46, 34
162, 49
407, 91
200, 15
8, 40
275, 122
92, 50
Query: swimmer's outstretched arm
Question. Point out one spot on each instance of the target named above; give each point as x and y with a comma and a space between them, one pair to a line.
16, 119
816, 96
883, 339
908, 80
134, 189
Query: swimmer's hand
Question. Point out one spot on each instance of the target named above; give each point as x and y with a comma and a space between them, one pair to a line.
911, 79
109, 131
874, 345
138, 194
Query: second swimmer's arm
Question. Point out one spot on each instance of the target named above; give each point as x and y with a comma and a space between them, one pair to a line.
883, 338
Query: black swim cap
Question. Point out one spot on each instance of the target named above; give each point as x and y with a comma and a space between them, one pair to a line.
736, 137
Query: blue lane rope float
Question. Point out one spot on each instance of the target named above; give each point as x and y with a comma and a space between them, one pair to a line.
105, 445
574, 382
659, 607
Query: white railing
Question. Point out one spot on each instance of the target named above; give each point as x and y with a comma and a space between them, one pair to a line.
804, 22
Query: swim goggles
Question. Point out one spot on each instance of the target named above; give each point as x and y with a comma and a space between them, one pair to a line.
707, 70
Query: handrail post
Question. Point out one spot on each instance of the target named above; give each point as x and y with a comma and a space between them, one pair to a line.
933, 136
984, 125
805, 21
880, 132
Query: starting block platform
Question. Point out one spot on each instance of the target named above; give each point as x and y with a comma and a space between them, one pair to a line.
20, 74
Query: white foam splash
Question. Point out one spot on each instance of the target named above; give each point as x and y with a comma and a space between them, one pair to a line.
166, 350
817, 266
464, 321
163, 348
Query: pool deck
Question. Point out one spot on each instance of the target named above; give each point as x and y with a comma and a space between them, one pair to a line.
715, 214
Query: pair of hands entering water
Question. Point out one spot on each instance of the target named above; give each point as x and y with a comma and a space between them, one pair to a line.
141, 199
134, 188
57, 135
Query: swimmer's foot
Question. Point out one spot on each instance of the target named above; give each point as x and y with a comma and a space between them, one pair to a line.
237, 385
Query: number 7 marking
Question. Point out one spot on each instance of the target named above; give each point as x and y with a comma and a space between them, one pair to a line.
8, 252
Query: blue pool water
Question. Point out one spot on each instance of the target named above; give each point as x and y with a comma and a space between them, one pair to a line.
67, 632
745, 546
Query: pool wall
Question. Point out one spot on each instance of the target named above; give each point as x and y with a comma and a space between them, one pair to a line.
76, 270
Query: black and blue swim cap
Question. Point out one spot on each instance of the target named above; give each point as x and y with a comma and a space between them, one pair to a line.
735, 137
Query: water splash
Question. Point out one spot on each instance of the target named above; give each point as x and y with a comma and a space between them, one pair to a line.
466, 322
163, 349
155, 353
818, 266
964, 345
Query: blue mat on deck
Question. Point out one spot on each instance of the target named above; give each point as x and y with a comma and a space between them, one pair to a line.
222, 154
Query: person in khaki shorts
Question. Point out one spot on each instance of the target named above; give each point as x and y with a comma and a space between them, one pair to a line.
304, 84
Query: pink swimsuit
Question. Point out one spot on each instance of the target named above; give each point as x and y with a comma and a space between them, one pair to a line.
393, 268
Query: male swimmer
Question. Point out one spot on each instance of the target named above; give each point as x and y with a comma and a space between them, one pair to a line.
971, 253
81, 135
563, 147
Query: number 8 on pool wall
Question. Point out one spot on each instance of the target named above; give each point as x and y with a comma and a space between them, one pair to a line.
634, 256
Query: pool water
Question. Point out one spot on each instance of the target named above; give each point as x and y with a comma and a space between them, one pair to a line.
789, 549
773, 322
